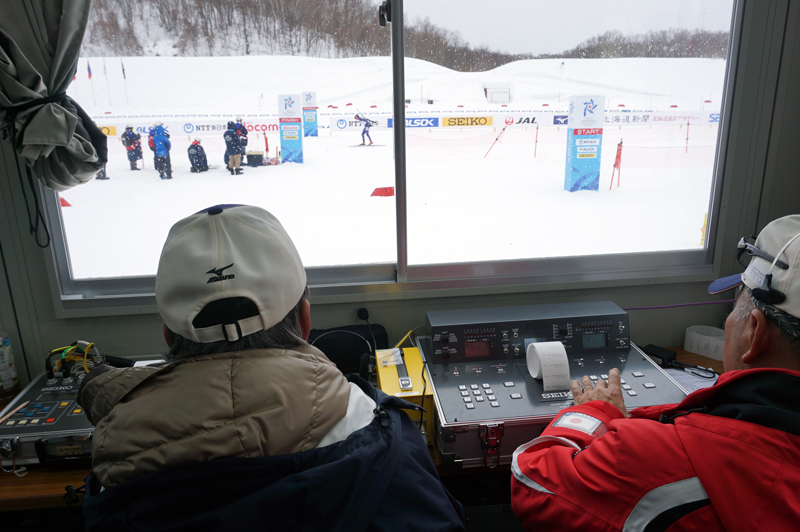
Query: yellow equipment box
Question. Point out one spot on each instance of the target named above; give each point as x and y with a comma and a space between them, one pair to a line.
388, 361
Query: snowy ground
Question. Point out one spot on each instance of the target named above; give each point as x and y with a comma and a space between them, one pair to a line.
462, 205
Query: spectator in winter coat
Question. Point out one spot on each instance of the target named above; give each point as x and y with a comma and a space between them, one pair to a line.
162, 145
133, 144
234, 148
197, 157
724, 459
248, 427
241, 130
150, 144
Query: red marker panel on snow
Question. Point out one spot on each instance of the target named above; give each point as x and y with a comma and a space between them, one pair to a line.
383, 191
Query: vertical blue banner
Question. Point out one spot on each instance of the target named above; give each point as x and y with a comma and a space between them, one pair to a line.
584, 143
583, 159
290, 127
310, 128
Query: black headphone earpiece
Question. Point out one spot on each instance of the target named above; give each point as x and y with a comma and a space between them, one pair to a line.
768, 295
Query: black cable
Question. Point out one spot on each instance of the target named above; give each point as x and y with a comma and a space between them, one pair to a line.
424, 387
697, 371
363, 314
344, 331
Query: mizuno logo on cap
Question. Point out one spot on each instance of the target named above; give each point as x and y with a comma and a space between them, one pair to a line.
217, 272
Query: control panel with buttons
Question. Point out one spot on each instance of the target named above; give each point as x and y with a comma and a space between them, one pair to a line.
481, 386
51, 426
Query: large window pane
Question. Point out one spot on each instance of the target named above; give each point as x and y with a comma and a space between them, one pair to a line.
489, 92
193, 66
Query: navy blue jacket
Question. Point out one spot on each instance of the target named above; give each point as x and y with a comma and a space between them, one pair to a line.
197, 155
233, 143
381, 478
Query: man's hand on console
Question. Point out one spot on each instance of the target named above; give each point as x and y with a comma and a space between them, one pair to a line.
583, 392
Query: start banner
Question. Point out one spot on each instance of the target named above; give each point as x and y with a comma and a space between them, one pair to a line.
291, 128
584, 143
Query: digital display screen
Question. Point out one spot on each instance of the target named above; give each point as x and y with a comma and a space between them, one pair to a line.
535, 340
594, 341
477, 349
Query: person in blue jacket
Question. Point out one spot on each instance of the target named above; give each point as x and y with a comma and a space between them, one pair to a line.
234, 147
367, 123
197, 157
161, 145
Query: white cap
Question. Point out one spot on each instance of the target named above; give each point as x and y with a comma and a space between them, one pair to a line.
774, 280
228, 251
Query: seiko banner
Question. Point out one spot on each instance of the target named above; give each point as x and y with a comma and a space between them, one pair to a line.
584, 142
310, 122
291, 127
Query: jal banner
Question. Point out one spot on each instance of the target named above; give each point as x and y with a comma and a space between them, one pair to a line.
310, 128
584, 142
291, 127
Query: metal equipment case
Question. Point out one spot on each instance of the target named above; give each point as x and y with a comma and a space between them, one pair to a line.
487, 403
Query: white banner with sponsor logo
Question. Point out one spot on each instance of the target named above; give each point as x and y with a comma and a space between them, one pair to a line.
193, 126
210, 126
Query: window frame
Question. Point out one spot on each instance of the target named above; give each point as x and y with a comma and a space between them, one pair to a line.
136, 295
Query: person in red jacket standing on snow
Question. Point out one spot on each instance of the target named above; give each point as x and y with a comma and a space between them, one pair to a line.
726, 458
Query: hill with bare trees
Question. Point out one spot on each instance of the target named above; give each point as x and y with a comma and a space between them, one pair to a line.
334, 29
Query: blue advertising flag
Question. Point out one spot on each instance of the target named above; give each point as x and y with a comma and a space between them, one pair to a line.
290, 125
584, 143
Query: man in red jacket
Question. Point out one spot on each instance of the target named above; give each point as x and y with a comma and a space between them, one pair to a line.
726, 458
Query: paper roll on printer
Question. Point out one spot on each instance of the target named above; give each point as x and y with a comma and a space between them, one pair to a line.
547, 362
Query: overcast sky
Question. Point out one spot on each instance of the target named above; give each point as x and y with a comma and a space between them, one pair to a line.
538, 26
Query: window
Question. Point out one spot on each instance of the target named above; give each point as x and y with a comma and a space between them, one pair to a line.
491, 197
495, 174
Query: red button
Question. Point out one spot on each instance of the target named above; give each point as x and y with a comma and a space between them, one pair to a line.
51, 420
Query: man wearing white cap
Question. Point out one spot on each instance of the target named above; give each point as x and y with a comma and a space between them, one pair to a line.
248, 427
727, 458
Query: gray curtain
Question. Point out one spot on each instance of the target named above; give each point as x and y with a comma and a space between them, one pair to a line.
40, 41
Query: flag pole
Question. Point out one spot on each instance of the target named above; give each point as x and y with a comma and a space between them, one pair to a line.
108, 86
89, 70
125, 83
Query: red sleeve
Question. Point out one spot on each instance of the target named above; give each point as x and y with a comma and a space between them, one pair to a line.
590, 467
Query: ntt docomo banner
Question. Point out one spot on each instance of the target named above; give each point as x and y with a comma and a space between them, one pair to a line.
584, 142
194, 126
291, 127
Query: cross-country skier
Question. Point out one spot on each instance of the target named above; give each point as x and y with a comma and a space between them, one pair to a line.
133, 144
197, 157
367, 123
